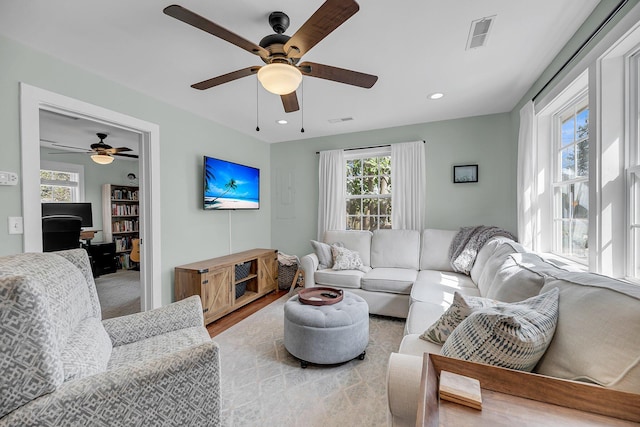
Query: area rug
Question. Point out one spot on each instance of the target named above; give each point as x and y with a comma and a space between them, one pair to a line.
263, 385
119, 293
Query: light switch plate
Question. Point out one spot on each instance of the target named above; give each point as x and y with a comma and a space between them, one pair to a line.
8, 178
15, 225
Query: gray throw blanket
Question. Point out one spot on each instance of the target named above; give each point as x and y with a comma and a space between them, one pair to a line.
467, 243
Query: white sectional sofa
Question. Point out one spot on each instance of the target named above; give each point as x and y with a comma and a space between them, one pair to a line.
597, 337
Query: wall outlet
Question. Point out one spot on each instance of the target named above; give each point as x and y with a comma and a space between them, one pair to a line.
8, 178
15, 225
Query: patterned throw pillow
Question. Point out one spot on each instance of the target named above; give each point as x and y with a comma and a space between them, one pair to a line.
323, 252
459, 310
344, 259
512, 336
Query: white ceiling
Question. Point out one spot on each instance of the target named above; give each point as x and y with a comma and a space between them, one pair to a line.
63, 133
415, 47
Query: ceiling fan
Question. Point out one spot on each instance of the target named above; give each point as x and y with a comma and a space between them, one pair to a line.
281, 53
100, 151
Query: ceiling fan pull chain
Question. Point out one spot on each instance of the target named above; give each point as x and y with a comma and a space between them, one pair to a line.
302, 106
257, 90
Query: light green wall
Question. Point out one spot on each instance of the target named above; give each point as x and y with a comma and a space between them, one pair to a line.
188, 232
484, 140
94, 176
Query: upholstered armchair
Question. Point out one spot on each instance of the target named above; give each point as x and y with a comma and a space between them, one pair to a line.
60, 365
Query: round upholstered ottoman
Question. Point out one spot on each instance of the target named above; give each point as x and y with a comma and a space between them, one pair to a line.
326, 334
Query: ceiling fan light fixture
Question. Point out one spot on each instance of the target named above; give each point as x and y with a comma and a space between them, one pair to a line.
278, 78
102, 159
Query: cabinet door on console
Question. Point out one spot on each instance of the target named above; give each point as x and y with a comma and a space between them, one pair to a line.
216, 292
268, 272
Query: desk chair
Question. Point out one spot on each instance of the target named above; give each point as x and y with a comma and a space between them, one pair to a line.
60, 232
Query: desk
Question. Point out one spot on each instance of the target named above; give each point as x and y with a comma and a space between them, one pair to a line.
104, 258
88, 235
515, 398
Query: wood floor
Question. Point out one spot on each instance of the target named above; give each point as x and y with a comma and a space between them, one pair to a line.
234, 317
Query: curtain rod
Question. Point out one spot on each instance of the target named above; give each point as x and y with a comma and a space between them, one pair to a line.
609, 17
366, 148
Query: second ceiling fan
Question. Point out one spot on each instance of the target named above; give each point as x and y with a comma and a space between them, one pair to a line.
281, 53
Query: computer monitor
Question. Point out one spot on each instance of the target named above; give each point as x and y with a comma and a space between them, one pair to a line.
83, 210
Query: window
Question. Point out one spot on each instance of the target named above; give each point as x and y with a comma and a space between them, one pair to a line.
368, 192
633, 177
61, 182
571, 181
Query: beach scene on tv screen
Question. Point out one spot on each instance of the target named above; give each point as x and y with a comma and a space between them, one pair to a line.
230, 185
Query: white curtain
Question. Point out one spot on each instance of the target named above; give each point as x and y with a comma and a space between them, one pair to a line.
409, 183
526, 178
332, 210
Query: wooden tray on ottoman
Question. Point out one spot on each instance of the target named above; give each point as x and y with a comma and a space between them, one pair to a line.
515, 398
319, 295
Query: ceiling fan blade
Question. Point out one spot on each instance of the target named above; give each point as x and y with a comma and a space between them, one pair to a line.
327, 18
339, 75
225, 78
135, 156
191, 18
290, 102
117, 150
55, 144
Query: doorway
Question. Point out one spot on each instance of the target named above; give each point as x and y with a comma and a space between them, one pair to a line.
33, 100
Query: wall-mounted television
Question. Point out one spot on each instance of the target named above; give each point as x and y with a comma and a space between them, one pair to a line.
83, 210
230, 186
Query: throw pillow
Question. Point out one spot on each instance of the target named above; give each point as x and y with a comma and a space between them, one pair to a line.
459, 310
344, 259
323, 252
512, 336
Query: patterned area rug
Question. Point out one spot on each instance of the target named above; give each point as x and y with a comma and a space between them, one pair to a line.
263, 385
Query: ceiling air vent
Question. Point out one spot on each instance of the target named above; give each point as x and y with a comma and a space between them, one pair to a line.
342, 119
479, 32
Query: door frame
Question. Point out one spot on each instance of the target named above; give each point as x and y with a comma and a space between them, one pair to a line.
34, 99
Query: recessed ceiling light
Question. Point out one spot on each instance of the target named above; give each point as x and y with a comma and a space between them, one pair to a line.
282, 122
436, 95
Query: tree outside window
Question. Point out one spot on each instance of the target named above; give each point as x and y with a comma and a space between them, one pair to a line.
58, 186
571, 186
368, 199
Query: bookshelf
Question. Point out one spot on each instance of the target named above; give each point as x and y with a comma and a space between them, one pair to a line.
120, 220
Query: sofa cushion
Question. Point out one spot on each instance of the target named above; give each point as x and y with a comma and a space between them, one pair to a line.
65, 288
345, 259
395, 249
341, 279
29, 356
598, 333
430, 285
487, 251
146, 350
355, 240
434, 253
324, 254
492, 265
87, 351
392, 280
421, 315
517, 279
460, 309
412, 344
513, 336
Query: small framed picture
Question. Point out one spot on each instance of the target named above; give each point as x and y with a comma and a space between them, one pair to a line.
465, 173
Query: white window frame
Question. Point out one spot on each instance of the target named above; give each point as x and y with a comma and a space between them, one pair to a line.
632, 165
366, 153
78, 187
576, 102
